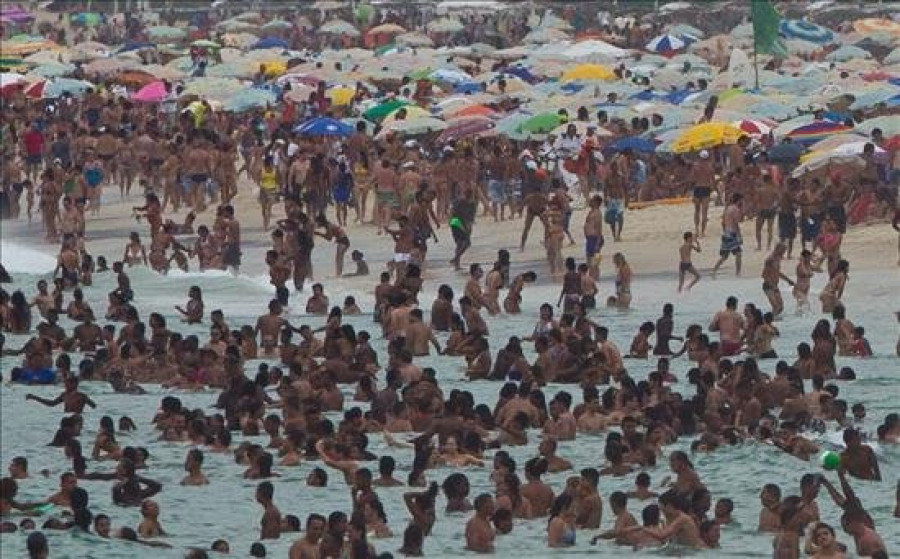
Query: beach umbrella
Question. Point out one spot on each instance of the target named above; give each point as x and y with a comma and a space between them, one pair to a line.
415, 40
251, 16
249, 99
166, 32
414, 127
58, 86
413, 112
24, 45
52, 70
545, 35
238, 26
806, 31
850, 148
449, 75
833, 142
103, 67
755, 127
470, 111
206, 44
673, 7
9, 79
270, 43
444, 25
239, 40
685, 29
824, 160
877, 25
341, 95
87, 19
151, 93
212, 88
705, 136
889, 125
818, 130
378, 112
581, 128
594, 48
786, 153
464, 127
874, 96
339, 27
386, 29
323, 126
846, 53
541, 123
15, 14
36, 89
588, 72
47, 57
277, 25
667, 44
893, 57
633, 143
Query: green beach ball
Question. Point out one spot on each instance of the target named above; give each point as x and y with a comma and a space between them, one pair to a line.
831, 460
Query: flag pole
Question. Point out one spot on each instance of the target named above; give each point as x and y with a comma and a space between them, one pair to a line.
755, 66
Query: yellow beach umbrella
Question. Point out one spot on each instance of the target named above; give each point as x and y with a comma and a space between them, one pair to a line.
341, 95
586, 72
275, 68
705, 136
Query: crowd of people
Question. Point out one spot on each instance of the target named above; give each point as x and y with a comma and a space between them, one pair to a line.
63, 158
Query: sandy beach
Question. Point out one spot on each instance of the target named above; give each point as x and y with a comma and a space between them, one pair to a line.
650, 242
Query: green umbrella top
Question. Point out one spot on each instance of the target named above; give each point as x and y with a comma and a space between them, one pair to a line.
378, 112
542, 123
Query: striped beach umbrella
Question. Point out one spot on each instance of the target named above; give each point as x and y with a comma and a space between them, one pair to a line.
806, 31
812, 133
755, 127
668, 44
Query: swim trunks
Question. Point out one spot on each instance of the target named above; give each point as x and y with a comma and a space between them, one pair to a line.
731, 243
701, 192
730, 348
592, 245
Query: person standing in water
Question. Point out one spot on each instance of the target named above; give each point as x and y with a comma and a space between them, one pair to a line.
771, 275
685, 266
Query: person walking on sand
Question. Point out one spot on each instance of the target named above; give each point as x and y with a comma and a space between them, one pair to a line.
704, 181
731, 235
685, 266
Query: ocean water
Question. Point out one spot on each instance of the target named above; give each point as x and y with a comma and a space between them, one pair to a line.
196, 516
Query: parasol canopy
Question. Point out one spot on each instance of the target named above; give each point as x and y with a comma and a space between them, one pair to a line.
588, 72
323, 126
151, 93
339, 27
805, 31
705, 136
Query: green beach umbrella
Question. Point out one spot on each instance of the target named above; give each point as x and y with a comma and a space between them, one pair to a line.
542, 123
206, 44
378, 112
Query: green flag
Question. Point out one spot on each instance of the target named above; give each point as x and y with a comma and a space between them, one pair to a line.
765, 28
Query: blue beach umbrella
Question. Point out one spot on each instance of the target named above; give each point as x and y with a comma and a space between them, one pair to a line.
670, 43
806, 31
270, 43
324, 127
633, 143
